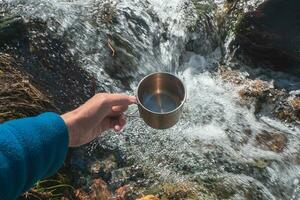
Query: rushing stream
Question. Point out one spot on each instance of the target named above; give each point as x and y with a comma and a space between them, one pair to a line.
214, 148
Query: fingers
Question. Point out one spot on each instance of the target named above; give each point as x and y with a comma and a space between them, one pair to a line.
119, 109
122, 121
117, 123
120, 100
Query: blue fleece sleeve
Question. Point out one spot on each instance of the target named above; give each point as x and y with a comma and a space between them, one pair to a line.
30, 149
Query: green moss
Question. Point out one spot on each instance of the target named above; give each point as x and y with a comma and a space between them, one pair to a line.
53, 188
261, 164
202, 8
106, 13
186, 190
216, 187
237, 24
5, 22
173, 191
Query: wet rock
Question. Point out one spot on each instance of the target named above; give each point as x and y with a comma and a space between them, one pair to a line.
177, 191
123, 192
148, 197
267, 100
104, 166
18, 96
119, 177
288, 110
81, 195
99, 190
95, 167
258, 92
230, 75
271, 35
11, 29
256, 88
261, 164
241, 185
203, 35
106, 13
237, 187
124, 175
50, 65
217, 187
295, 103
96, 162
231, 13
263, 95
123, 61
271, 141
181, 191
127, 35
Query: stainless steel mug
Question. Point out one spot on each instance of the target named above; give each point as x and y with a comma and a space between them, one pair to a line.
160, 99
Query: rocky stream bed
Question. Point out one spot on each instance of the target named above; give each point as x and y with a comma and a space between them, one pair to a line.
239, 136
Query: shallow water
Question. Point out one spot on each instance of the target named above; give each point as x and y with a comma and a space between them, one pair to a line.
216, 138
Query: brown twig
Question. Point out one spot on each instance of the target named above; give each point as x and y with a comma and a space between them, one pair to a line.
109, 42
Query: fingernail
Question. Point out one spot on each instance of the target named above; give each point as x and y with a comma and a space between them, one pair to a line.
116, 109
117, 127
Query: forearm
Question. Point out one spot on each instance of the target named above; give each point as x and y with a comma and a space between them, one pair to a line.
33, 148
30, 149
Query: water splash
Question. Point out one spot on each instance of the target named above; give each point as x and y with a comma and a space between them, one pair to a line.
216, 138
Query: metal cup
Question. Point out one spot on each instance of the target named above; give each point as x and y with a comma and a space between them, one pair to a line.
160, 98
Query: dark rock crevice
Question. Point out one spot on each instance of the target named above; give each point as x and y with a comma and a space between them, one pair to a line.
270, 35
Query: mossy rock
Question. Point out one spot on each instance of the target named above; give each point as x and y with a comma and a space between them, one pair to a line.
178, 191
203, 8
273, 141
19, 97
216, 187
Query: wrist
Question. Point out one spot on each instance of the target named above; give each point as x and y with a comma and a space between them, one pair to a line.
71, 119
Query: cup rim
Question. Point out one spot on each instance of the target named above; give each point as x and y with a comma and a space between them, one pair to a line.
159, 113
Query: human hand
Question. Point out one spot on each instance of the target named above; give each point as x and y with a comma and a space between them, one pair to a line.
102, 112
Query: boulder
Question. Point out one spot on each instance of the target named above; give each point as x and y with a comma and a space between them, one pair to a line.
47, 61
18, 96
270, 35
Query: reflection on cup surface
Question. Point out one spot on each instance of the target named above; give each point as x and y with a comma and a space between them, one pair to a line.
160, 102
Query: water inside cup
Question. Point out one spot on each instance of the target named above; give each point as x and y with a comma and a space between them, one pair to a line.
161, 102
